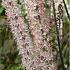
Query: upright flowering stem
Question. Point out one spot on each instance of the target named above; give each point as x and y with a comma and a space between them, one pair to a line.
32, 41
19, 29
58, 39
39, 19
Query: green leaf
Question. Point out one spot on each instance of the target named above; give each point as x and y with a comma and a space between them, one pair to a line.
1, 9
68, 1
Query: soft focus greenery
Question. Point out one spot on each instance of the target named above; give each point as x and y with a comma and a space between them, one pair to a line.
9, 55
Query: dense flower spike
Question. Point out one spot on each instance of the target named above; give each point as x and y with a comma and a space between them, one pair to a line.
18, 27
31, 41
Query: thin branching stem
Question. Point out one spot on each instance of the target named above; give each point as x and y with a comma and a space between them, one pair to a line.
58, 40
66, 10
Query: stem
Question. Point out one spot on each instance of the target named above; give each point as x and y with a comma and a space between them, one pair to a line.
59, 45
66, 10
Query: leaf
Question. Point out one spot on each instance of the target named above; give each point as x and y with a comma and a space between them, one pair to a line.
68, 1
1, 9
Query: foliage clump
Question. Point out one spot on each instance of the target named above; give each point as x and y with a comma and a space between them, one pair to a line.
9, 55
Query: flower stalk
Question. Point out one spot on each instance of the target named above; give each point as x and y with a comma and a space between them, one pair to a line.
58, 39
